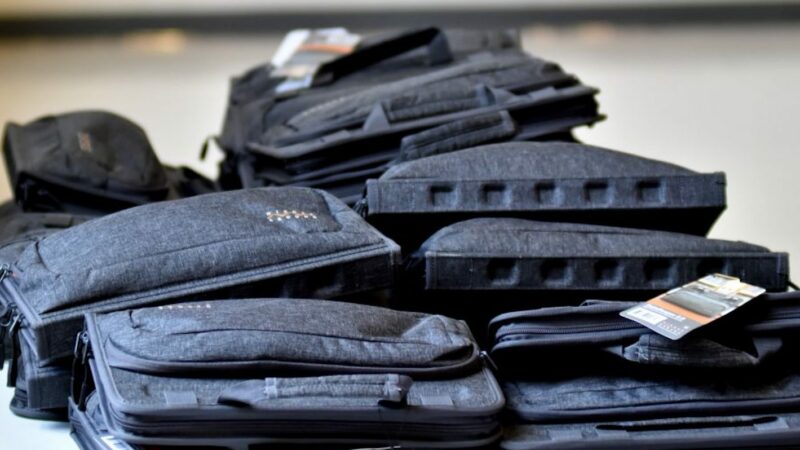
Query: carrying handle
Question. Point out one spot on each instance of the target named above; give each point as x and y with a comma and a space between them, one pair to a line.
386, 389
458, 135
654, 349
432, 38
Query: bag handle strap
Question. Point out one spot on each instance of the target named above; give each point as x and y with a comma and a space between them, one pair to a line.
432, 38
385, 389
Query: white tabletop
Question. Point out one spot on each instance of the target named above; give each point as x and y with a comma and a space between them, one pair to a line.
19, 433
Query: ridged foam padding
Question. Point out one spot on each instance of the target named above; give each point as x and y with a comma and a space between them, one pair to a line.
516, 254
552, 181
675, 191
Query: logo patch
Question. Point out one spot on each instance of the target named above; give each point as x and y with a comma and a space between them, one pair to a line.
280, 216
84, 141
186, 306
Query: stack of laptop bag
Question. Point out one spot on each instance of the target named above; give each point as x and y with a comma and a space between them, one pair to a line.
477, 269
556, 181
291, 242
431, 172
361, 109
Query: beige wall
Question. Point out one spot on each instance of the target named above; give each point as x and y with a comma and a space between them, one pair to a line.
71, 7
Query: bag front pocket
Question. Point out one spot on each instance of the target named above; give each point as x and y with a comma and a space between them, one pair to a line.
286, 335
653, 349
628, 397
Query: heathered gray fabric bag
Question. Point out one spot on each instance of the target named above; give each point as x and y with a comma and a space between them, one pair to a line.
356, 374
603, 381
560, 181
480, 268
293, 242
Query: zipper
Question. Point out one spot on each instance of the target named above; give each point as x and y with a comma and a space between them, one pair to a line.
361, 207
13, 366
81, 383
193, 428
489, 362
10, 322
617, 328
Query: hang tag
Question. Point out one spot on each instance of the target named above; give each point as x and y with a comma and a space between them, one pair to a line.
302, 52
113, 443
682, 310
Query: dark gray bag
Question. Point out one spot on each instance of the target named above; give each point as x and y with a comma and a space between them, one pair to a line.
561, 181
82, 160
292, 242
90, 162
602, 381
480, 268
355, 374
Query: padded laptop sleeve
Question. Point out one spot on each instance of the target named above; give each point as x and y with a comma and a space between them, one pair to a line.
355, 374
560, 181
87, 160
287, 241
479, 268
516, 254
602, 381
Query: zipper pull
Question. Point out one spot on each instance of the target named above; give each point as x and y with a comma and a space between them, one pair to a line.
82, 347
487, 359
361, 208
13, 366
81, 377
6, 319
5, 270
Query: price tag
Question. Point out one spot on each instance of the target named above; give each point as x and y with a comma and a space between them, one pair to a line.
682, 310
302, 52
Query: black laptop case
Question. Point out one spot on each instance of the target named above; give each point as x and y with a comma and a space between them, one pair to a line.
584, 377
355, 374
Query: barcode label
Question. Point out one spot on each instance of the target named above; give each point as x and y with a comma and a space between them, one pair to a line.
646, 315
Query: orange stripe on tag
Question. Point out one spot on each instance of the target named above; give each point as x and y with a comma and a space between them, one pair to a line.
329, 48
675, 309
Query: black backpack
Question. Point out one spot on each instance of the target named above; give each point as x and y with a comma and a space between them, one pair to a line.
350, 123
90, 162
